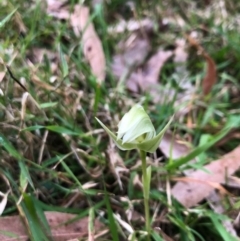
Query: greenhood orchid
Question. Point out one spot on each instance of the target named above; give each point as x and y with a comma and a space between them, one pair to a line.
136, 131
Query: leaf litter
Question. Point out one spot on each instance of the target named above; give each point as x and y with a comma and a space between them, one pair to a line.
201, 183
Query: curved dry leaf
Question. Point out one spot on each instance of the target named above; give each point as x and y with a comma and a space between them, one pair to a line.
191, 193
133, 53
173, 147
56, 8
146, 78
211, 75
215, 185
92, 46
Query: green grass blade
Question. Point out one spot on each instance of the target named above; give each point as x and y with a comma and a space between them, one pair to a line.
9, 147
112, 224
24, 175
91, 222
36, 227
68, 170
7, 18
62, 130
13, 152
157, 237
63, 63
222, 230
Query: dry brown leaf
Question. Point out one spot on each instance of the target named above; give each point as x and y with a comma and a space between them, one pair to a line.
92, 46
153, 68
146, 78
36, 80
233, 182
231, 135
211, 74
134, 50
36, 57
191, 193
174, 148
56, 220
132, 54
55, 8
214, 185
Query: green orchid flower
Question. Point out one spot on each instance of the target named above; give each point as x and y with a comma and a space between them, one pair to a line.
136, 131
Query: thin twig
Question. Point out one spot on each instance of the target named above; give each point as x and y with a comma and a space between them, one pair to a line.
15, 79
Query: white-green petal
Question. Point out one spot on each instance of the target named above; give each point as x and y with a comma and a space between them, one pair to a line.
134, 124
135, 114
141, 127
152, 144
119, 144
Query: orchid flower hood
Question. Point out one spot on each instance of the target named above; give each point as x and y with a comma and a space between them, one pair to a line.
136, 131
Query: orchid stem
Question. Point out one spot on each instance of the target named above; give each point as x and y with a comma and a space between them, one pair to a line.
146, 187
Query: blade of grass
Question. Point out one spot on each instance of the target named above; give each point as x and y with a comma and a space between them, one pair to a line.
63, 61
25, 176
157, 237
62, 130
222, 230
91, 223
7, 18
36, 228
13, 152
68, 170
112, 224
9, 148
